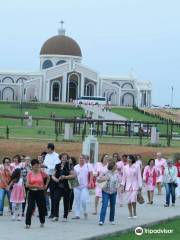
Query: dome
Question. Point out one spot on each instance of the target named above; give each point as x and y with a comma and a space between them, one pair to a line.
61, 45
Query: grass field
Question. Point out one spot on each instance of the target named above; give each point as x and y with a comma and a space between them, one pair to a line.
172, 224
133, 114
40, 110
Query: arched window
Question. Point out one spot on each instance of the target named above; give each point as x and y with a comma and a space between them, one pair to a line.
60, 62
128, 100
8, 94
7, 80
21, 80
47, 64
127, 86
89, 89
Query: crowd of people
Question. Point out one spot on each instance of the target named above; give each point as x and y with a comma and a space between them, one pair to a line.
41, 183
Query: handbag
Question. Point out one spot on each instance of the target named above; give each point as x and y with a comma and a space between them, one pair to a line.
91, 184
102, 185
73, 183
175, 184
140, 198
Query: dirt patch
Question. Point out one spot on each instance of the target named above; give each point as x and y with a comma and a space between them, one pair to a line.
34, 148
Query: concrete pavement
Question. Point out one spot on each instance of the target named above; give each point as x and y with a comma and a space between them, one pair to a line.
87, 229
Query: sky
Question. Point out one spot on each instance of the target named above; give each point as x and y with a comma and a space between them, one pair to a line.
115, 36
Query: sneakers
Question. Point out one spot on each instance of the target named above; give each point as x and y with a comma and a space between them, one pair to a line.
76, 217
13, 217
100, 223
85, 216
27, 227
166, 205
113, 223
19, 218
135, 216
55, 219
64, 220
42, 225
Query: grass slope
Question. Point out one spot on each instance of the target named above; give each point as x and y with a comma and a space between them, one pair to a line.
172, 224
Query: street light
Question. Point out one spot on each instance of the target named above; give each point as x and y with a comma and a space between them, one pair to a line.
172, 92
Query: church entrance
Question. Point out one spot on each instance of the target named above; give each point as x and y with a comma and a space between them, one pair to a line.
56, 92
73, 92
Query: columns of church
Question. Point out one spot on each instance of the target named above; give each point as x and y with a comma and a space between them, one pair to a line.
64, 87
82, 85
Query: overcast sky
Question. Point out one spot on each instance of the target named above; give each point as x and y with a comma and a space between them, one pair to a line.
114, 36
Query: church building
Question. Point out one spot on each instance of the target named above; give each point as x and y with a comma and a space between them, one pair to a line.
63, 78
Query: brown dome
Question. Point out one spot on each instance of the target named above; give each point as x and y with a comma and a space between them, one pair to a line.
61, 45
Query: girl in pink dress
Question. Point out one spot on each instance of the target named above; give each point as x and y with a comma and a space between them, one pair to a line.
120, 165
150, 175
132, 182
17, 193
100, 169
160, 164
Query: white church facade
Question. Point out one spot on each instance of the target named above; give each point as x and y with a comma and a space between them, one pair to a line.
63, 78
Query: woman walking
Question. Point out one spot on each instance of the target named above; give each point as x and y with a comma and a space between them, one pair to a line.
132, 183
100, 169
81, 194
120, 166
5, 176
170, 181
150, 175
109, 192
60, 177
160, 164
37, 182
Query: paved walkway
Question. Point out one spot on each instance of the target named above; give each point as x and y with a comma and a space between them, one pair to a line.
99, 114
87, 229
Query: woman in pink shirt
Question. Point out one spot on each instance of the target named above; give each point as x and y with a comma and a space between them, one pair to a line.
150, 175
131, 184
120, 165
100, 170
37, 182
160, 164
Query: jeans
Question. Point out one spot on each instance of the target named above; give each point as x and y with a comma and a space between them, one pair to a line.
3, 193
170, 191
58, 193
35, 197
106, 197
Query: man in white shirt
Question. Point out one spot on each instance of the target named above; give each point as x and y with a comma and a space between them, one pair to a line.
50, 161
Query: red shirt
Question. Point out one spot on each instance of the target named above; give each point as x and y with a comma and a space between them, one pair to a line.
36, 179
178, 168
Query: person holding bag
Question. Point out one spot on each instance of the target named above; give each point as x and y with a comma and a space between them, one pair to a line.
170, 181
109, 191
63, 172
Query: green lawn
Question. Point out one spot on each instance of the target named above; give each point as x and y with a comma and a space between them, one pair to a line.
40, 110
172, 224
133, 114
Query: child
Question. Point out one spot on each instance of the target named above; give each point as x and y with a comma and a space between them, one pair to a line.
17, 193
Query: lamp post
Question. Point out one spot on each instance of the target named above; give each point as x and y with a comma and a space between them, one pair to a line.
172, 92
